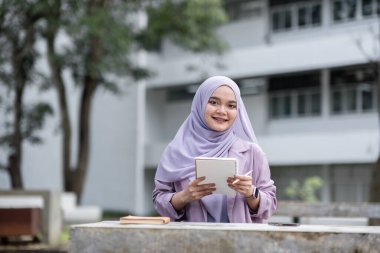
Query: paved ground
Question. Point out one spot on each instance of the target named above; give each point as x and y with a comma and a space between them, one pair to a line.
33, 247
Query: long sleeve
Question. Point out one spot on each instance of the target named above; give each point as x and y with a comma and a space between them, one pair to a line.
251, 157
262, 180
162, 194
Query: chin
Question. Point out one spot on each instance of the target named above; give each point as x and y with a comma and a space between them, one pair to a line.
220, 128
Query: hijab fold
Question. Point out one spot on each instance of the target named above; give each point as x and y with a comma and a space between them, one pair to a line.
195, 139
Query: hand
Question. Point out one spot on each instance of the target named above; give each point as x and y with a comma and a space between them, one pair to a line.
243, 185
192, 192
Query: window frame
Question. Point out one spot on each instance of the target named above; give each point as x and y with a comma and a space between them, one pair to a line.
294, 8
359, 102
294, 94
359, 79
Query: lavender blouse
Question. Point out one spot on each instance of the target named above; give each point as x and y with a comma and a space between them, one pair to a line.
249, 156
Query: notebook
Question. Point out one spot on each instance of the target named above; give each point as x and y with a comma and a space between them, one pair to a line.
216, 170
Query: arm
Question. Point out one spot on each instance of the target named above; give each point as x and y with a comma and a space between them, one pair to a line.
265, 204
244, 186
263, 181
162, 194
170, 203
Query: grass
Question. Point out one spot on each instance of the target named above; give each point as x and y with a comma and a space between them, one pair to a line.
64, 238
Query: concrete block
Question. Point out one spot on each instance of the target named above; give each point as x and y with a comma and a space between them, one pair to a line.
348, 221
82, 214
74, 214
48, 200
110, 236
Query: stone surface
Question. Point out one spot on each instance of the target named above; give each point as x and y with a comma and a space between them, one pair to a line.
109, 236
303, 209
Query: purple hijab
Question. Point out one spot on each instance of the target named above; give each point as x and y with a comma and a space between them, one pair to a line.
195, 139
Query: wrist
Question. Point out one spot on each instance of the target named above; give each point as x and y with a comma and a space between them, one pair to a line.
254, 193
251, 191
182, 197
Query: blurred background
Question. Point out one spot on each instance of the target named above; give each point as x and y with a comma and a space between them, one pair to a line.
91, 92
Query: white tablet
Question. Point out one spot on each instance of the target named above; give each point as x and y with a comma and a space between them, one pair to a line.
216, 170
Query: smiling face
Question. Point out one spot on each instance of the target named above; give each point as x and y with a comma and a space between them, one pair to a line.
221, 109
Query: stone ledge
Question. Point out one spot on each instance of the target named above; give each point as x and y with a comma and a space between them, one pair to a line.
303, 209
109, 236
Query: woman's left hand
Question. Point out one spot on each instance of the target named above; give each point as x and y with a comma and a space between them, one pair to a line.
241, 184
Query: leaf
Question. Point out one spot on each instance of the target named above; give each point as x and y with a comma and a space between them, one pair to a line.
34, 119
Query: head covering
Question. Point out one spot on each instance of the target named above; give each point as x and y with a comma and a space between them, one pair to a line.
195, 139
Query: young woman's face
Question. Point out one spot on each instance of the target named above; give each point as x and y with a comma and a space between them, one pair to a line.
221, 109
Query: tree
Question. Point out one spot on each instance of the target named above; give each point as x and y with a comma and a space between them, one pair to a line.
374, 73
104, 37
374, 188
18, 23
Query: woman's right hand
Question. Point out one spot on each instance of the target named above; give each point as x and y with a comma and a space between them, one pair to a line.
194, 191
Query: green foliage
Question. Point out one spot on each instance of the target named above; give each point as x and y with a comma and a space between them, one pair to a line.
34, 120
102, 41
117, 37
18, 32
307, 191
190, 24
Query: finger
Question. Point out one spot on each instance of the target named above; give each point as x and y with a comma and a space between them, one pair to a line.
206, 187
231, 180
197, 180
199, 195
244, 184
243, 178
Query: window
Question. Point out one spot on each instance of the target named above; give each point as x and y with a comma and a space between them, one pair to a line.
281, 20
179, 93
309, 15
296, 15
295, 96
344, 10
241, 9
370, 8
353, 90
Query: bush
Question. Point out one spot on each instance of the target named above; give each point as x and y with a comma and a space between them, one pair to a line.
307, 191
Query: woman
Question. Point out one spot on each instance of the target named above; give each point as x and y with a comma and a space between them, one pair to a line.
218, 126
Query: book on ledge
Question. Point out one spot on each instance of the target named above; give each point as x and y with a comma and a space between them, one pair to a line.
144, 220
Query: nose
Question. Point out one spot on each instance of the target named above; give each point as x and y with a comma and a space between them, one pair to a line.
222, 109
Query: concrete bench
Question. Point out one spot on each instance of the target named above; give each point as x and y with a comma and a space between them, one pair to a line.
45, 200
18, 222
110, 236
73, 214
326, 213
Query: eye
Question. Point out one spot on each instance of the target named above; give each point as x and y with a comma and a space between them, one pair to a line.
212, 102
232, 106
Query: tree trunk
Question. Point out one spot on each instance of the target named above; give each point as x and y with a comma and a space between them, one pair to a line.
374, 192
90, 83
89, 88
56, 71
374, 195
15, 157
22, 61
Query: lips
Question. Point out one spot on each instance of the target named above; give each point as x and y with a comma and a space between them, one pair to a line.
221, 120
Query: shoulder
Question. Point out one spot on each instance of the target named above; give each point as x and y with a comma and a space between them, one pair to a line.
243, 146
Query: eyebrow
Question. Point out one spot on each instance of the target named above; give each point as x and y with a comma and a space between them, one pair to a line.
231, 101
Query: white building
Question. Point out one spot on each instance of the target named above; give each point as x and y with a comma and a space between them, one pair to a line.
303, 71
